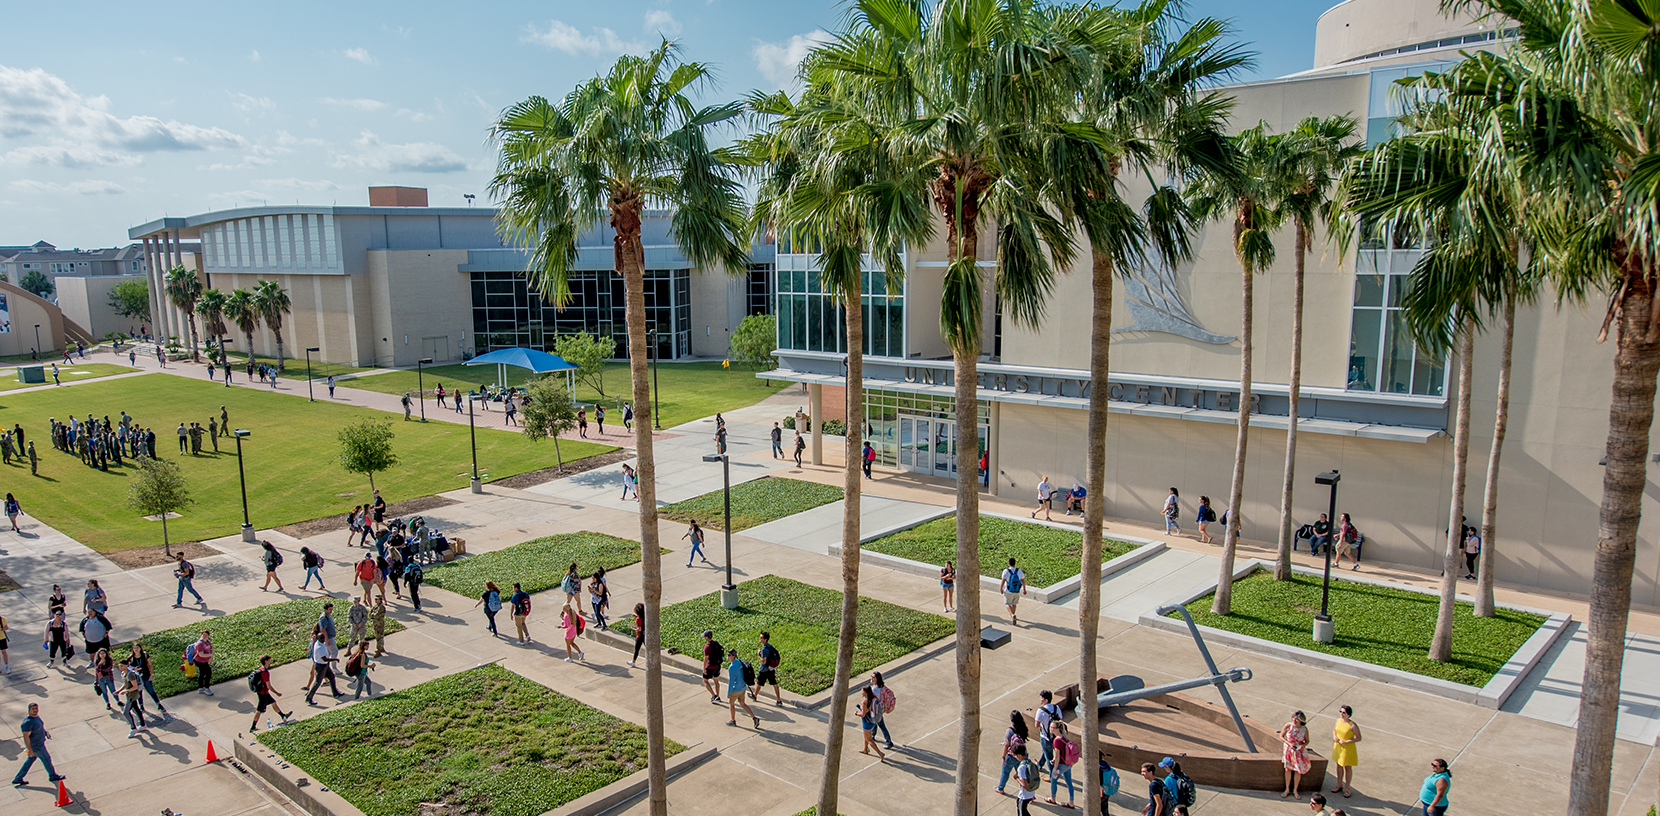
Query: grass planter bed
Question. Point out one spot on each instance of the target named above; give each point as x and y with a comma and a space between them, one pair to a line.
292, 469
1049, 555
804, 621
536, 565
281, 630
67, 374
753, 503
1379, 625
482, 741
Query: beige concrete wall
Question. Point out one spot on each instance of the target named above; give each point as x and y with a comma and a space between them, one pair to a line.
1357, 27
419, 301
717, 308
322, 317
25, 310
85, 300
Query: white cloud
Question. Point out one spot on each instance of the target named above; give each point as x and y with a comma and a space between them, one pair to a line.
414, 116
360, 104
660, 21
248, 163
90, 187
779, 62
80, 131
413, 157
296, 184
251, 104
254, 55
359, 54
563, 37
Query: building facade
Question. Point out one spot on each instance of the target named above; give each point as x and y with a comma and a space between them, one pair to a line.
1373, 406
398, 281
15, 262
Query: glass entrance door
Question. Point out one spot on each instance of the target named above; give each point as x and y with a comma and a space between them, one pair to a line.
929, 445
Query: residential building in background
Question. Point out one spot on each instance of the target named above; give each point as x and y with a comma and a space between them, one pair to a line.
16, 262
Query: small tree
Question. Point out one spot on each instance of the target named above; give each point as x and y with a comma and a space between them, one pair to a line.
131, 298
548, 412
754, 341
588, 353
35, 282
158, 489
366, 447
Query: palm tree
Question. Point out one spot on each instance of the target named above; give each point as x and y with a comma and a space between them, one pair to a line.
1250, 193
1145, 109
841, 204
241, 310
211, 306
618, 142
961, 93
183, 289
271, 301
1312, 154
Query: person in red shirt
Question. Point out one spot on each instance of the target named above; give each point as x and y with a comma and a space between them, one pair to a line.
366, 575
267, 693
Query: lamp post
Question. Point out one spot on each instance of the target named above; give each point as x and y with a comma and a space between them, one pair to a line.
656, 415
308, 385
38, 349
728, 590
1322, 622
242, 475
420, 386
472, 434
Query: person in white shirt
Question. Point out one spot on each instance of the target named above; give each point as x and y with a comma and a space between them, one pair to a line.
1013, 586
1046, 495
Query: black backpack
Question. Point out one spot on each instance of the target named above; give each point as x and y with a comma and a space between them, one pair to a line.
1185, 792
253, 682
749, 673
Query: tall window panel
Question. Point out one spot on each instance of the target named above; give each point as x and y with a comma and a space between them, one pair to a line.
1382, 356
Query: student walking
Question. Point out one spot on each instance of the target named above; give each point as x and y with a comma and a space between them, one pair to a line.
139, 661
766, 669
1158, 797
1066, 754
599, 418
13, 510
367, 574
357, 668
599, 598
95, 632
630, 483
132, 702
1172, 511
1294, 736
948, 583
35, 736
712, 654
323, 659
1348, 543
695, 533
1178, 786
1432, 796
520, 601
1204, 518
885, 701
1472, 548
5, 651
571, 622
185, 572
490, 599
57, 639
628, 415
739, 677
1013, 586
313, 564
94, 598
272, 559
413, 575
331, 390
103, 677
358, 617
265, 692
582, 423
377, 616
1014, 736
1046, 498
800, 445
571, 585
777, 441
1345, 750
639, 632
869, 457
1027, 777
1047, 713
200, 655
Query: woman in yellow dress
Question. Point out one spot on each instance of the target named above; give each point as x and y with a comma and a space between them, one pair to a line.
1344, 755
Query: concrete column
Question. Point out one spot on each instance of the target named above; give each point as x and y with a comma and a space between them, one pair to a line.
176, 259
996, 420
815, 413
152, 265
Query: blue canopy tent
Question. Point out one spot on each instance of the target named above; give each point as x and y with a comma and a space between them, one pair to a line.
539, 362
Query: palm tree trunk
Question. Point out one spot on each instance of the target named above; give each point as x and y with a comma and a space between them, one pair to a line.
1223, 603
851, 488
1490, 496
1630, 418
250, 337
626, 220
1089, 588
276, 328
195, 342
1440, 646
965, 354
1282, 559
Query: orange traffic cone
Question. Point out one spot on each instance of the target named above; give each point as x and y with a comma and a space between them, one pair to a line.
211, 756
63, 796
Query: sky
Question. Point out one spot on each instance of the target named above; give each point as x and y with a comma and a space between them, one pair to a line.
110, 119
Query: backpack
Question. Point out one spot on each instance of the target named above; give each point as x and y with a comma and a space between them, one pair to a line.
413, 574
1067, 750
526, 607
1185, 792
581, 625
354, 665
253, 682
570, 584
749, 673
887, 698
276, 558
1016, 579
1109, 779
190, 653
1030, 780
771, 657
718, 650
493, 602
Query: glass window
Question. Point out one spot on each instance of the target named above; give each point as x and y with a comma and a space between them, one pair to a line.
1363, 349
1397, 356
1369, 290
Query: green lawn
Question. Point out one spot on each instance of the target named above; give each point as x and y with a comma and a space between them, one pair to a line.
482, 741
1047, 555
1378, 625
281, 630
753, 503
537, 564
294, 366
687, 391
66, 374
292, 471
803, 621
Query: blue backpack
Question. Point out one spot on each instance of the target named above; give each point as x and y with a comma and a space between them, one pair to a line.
1109, 780
1017, 580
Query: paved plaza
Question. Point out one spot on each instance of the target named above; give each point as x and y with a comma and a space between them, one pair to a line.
1520, 753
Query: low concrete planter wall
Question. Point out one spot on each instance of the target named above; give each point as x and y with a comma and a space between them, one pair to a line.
1492, 695
316, 800
1145, 549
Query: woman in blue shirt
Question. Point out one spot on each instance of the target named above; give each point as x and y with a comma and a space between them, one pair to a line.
1433, 795
735, 688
